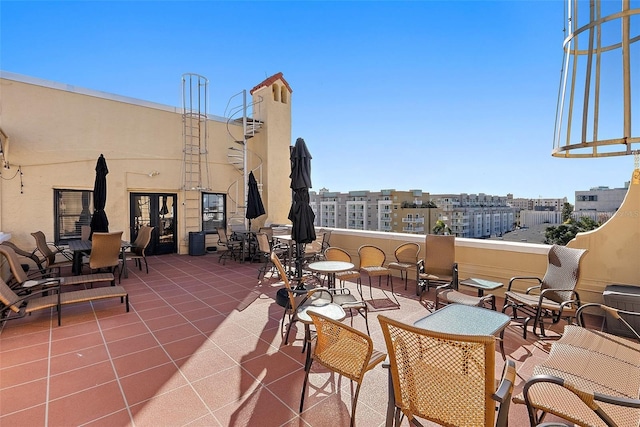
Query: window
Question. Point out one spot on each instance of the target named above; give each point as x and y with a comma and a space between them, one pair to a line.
213, 212
71, 210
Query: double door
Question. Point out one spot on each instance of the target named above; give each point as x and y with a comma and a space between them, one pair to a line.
158, 210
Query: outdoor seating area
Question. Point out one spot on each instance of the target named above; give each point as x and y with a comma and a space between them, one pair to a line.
203, 343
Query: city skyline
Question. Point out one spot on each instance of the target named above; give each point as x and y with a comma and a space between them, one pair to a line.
453, 97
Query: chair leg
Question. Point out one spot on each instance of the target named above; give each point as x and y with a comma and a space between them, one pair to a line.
304, 384
353, 406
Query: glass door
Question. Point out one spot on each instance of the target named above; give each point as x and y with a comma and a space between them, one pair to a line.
158, 210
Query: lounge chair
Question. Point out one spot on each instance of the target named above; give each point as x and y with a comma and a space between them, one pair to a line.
23, 283
14, 306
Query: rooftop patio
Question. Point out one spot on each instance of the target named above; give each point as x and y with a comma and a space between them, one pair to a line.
202, 345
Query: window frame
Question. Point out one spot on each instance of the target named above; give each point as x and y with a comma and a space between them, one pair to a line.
205, 211
60, 213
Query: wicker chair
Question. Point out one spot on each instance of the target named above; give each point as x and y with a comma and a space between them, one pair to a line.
372, 261
343, 350
444, 378
554, 297
298, 296
406, 260
337, 254
439, 264
265, 248
589, 378
138, 248
105, 252
50, 255
13, 306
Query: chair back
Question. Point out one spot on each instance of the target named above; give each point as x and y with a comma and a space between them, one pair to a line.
142, 240
268, 231
445, 378
440, 254
293, 302
563, 272
31, 255
371, 256
19, 275
85, 232
8, 298
336, 254
341, 348
407, 253
105, 250
263, 243
222, 235
45, 250
315, 247
327, 238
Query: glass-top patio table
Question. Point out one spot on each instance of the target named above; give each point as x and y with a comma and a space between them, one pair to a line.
466, 320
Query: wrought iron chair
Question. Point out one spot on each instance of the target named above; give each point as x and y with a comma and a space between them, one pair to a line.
444, 378
554, 297
406, 260
343, 350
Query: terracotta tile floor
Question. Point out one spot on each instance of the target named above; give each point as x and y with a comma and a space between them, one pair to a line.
201, 346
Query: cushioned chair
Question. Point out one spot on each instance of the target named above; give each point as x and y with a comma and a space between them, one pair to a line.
444, 378
343, 350
138, 248
554, 297
372, 261
105, 252
406, 260
439, 264
14, 306
49, 254
233, 247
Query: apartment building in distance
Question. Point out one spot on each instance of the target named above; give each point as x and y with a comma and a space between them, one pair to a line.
414, 211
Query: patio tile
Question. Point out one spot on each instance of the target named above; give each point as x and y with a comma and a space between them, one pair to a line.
202, 346
95, 402
80, 379
151, 382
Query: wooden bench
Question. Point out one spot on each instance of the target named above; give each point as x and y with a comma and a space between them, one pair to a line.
590, 378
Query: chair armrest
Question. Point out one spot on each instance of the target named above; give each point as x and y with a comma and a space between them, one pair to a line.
613, 312
517, 278
505, 388
343, 290
589, 398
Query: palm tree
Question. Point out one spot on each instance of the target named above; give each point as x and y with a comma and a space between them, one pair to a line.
441, 228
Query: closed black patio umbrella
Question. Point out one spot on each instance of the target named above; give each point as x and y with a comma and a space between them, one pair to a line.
99, 221
301, 214
255, 208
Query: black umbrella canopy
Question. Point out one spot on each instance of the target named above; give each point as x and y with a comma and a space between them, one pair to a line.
301, 214
255, 208
99, 221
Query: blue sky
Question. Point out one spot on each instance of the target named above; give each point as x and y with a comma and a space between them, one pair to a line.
443, 96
